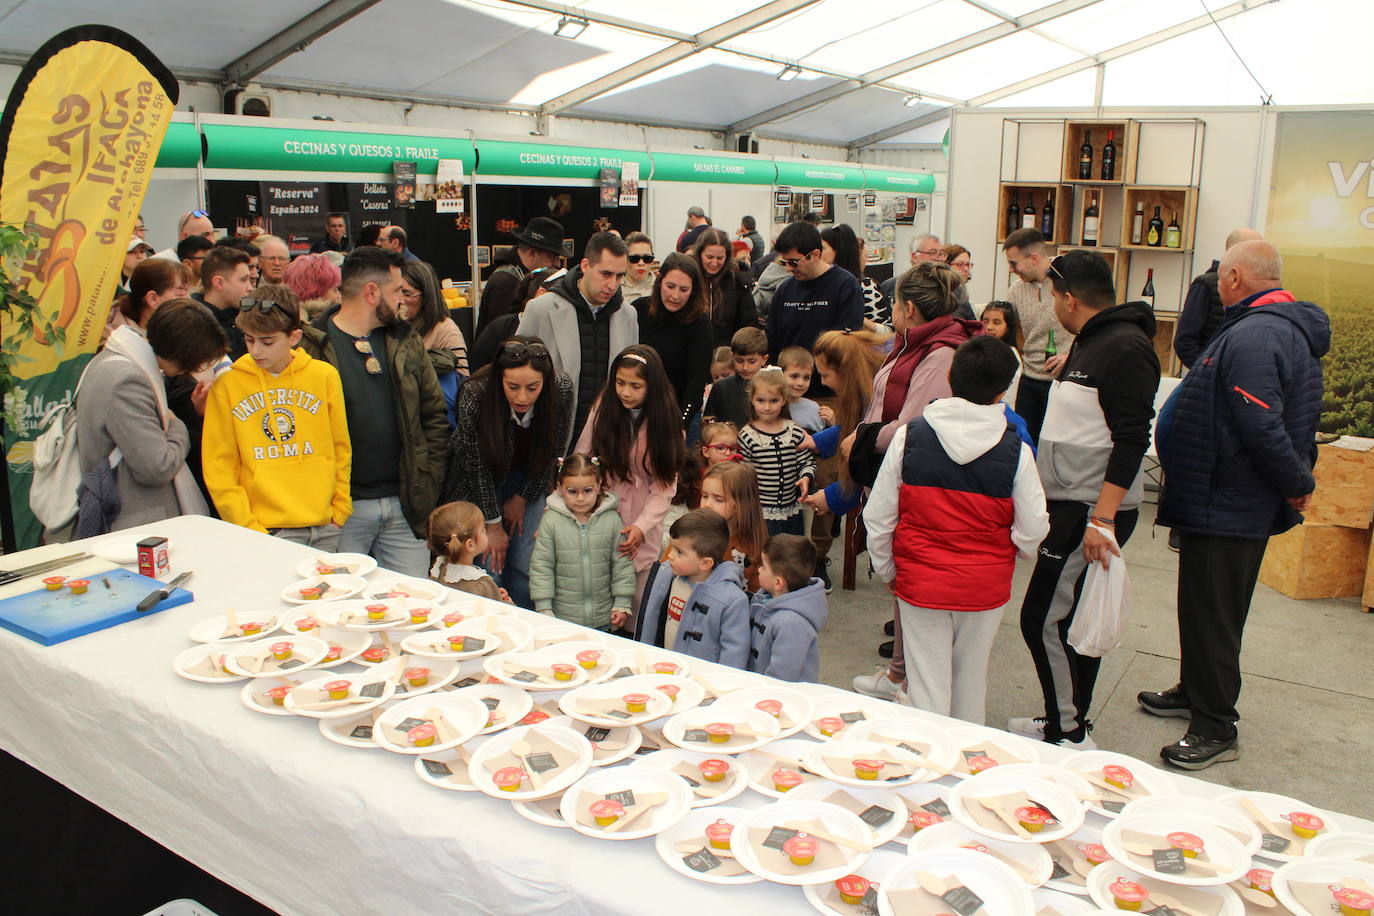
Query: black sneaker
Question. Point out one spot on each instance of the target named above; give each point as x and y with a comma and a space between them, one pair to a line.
1171, 703
1194, 752
823, 573
1174, 543
885, 650
890, 628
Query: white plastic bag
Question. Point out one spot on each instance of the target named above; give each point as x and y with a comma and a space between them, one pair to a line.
1104, 607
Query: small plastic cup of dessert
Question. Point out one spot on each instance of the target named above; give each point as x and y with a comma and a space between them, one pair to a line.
718, 834
281, 651
419, 615
589, 658
980, 763
1127, 895
830, 726
868, 769
852, 889
562, 672
785, 779
719, 732
375, 655
333, 655
1305, 824
1032, 820
306, 624
1188, 844
1117, 776
417, 676
508, 779
456, 641
252, 628
1095, 853
672, 690
772, 707
801, 849
54, 583
606, 812
1353, 902
714, 769
311, 593
376, 611
278, 695
452, 620
79, 586
920, 820
636, 702
422, 735
1261, 879
665, 668
337, 690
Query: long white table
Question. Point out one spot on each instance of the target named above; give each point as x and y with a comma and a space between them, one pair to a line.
303, 825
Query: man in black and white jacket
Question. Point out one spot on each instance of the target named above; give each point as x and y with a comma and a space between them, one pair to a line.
1096, 431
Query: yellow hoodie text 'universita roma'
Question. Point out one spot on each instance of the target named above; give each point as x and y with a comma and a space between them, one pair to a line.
275, 450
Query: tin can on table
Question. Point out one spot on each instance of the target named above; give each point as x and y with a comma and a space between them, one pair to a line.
152, 558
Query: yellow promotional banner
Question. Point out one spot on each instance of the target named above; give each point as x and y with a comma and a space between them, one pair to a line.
78, 139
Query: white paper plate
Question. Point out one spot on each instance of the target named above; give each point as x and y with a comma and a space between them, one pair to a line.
1274, 807
193, 656
1221, 847
1064, 805
441, 674
816, 762
736, 781
1152, 780
496, 667
910, 729
1328, 871
840, 705
1343, 846
543, 811
639, 781
640, 659
352, 644
998, 886
619, 745
659, 705
1087, 834
1067, 780
796, 706
877, 868
456, 759
341, 730
422, 589
689, 692
763, 761
764, 726
501, 742
1100, 880
116, 549
1031, 858
969, 737
922, 793
254, 696
553, 632
363, 565
883, 798
1045, 900
357, 681
465, 714
606, 665
727, 680
835, 819
209, 630
1240, 827
694, 825
351, 614
511, 703
341, 587
498, 635
308, 650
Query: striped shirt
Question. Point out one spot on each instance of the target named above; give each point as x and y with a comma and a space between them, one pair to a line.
778, 466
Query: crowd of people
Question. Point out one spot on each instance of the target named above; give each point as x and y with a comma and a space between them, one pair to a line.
634, 442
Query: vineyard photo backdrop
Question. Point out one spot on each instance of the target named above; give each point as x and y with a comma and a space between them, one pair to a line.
1321, 217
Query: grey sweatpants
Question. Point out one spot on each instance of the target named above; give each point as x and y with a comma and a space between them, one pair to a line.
947, 659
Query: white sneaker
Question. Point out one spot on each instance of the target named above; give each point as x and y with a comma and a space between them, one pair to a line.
1087, 744
904, 699
1027, 727
877, 684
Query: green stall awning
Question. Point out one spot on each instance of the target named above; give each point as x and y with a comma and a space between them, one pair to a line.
238, 146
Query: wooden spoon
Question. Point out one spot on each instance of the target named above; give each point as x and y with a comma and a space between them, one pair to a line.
522, 750
335, 704
822, 834
644, 803
441, 725
932, 884
1248, 893
702, 844
1006, 817
231, 624
1144, 849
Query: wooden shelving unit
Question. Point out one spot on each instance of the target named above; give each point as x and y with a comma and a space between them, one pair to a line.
1063, 216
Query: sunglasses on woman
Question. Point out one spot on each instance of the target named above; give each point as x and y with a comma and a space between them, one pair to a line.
516, 353
641, 258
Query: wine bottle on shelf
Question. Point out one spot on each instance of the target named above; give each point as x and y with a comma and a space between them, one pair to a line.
1148, 293
1109, 157
1047, 218
1155, 237
1090, 221
1085, 157
1138, 224
1028, 214
1013, 214
1173, 235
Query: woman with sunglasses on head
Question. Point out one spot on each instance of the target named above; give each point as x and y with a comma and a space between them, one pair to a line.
512, 418
728, 291
639, 280
672, 320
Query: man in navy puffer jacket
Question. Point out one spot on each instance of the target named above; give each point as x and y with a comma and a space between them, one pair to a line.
1237, 445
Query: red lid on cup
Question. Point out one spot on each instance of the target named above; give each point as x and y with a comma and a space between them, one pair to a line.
863, 763
980, 763
375, 654
665, 668
79, 583
333, 653
560, 668
54, 580
1118, 774
636, 698
416, 673
720, 830
920, 820
589, 655
852, 885
607, 807
801, 846
1261, 879
375, 607
508, 776
1030, 815
452, 619
1182, 840
1127, 890
307, 623
1095, 853
419, 612
772, 707
720, 728
278, 693
1353, 898
672, 690
252, 625
311, 591
420, 733
279, 647
830, 724
1305, 820
786, 776
713, 767
334, 686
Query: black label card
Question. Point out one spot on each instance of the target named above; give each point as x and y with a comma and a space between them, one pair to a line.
1059, 871
778, 836
876, 815
541, 762
623, 672
701, 860
436, 767
869, 905
373, 690
707, 701
410, 722
402, 688
472, 644
491, 703
617, 714
1170, 862
1115, 807
626, 798
1048, 813
852, 717
937, 806
1271, 842
1163, 911
289, 664
594, 733
525, 677
963, 901
915, 750
974, 752
467, 682
361, 732
689, 780
695, 734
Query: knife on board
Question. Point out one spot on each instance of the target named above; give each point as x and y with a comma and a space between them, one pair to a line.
14, 575
160, 595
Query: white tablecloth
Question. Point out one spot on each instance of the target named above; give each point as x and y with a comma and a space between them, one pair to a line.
269, 806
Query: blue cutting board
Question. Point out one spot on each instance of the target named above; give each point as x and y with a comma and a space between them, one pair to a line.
53, 617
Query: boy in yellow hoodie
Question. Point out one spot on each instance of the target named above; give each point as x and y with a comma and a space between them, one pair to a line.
275, 450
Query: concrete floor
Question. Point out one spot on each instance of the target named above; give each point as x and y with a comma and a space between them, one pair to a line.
1307, 708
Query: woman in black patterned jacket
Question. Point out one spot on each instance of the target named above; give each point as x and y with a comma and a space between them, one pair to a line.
512, 417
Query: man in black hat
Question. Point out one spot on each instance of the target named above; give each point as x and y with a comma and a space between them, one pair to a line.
540, 245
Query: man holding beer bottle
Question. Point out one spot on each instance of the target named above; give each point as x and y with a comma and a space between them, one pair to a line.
1031, 293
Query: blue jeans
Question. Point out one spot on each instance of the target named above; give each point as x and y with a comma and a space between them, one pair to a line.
515, 578
379, 528
324, 538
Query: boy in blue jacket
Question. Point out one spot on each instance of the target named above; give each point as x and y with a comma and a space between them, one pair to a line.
694, 602
786, 628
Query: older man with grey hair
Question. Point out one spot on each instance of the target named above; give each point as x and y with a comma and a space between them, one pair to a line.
925, 247
274, 258
697, 223
1236, 443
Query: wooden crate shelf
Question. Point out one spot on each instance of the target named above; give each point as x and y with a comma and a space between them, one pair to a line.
1063, 207
1126, 133
1170, 200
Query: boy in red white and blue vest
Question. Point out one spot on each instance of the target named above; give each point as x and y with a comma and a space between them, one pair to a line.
956, 499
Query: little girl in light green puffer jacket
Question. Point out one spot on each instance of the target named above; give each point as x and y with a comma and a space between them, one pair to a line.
576, 571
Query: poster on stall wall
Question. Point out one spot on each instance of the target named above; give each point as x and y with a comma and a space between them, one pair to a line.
904, 210
851, 203
80, 132
295, 211
1321, 218
404, 174
629, 184
610, 188
448, 186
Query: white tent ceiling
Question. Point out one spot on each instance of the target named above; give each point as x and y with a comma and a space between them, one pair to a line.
871, 71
